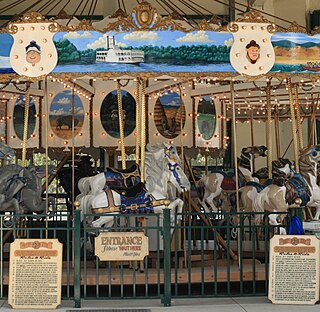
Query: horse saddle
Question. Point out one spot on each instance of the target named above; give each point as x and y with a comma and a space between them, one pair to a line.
297, 187
134, 199
123, 177
259, 187
229, 182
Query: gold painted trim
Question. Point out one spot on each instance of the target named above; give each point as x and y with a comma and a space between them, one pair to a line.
293, 28
31, 17
253, 16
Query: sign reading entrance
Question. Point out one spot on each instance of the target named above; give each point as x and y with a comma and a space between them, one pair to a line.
120, 246
294, 269
35, 274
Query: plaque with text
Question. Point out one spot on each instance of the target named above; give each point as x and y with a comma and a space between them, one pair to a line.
121, 246
294, 269
35, 274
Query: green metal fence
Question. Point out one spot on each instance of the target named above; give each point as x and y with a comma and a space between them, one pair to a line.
225, 256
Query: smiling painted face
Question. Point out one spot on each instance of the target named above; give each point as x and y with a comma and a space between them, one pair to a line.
33, 53
253, 51
33, 57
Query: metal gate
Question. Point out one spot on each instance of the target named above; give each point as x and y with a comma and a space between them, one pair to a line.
225, 256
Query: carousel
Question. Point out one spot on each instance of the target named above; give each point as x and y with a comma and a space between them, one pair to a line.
201, 137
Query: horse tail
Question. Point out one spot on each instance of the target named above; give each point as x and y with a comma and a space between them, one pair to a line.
200, 187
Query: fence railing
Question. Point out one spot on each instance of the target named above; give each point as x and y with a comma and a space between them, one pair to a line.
227, 256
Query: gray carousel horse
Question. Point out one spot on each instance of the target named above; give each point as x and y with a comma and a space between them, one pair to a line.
160, 170
21, 188
6, 152
298, 191
211, 185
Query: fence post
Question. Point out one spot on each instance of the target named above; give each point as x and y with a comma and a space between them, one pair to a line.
76, 258
167, 257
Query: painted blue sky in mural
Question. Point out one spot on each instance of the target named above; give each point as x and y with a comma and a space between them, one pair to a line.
61, 105
92, 40
170, 100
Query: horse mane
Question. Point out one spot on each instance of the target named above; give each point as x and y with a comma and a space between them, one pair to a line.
306, 164
153, 170
244, 160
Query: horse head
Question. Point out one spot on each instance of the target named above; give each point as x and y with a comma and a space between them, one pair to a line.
164, 150
255, 151
6, 152
312, 153
282, 168
177, 176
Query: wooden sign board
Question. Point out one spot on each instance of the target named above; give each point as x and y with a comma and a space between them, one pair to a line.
294, 269
35, 274
121, 246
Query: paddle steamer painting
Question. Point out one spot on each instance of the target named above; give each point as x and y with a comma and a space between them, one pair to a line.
116, 55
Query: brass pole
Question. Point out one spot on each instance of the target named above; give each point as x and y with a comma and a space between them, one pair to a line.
72, 146
296, 92
137, 121
25, 126
277, 134
46, 109
143, 128
121, 128
293, 126
269, 134
235, 158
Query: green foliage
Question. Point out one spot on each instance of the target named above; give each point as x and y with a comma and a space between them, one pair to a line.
67, 52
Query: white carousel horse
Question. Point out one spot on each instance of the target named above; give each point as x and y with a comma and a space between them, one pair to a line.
211, 185
298, 191
141, 198
129, 177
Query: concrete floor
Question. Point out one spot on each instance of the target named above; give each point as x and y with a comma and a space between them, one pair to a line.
249, 304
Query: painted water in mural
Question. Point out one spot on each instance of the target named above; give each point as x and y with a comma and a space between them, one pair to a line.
18, 116
168, 51
109, 113
167, 114
60, 115
206, 117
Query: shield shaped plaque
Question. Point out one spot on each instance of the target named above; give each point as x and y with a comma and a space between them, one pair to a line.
33, 52
252, 53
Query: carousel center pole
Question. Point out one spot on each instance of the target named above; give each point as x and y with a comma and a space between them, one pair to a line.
121, 124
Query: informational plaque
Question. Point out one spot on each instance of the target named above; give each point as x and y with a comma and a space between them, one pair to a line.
35, 274
294, 269
120, 246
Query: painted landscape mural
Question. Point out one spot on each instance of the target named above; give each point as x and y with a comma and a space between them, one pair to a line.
167, 51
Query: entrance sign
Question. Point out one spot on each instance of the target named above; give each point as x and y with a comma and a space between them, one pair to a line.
294, 269
35, 274
252, 52
120, 246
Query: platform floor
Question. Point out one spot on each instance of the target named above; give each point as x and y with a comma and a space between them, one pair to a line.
243, 304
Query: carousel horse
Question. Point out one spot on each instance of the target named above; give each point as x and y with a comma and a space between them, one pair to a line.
6, 152
21, 188
281, 169
298, 190
211, 185
124, 177
148, 197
